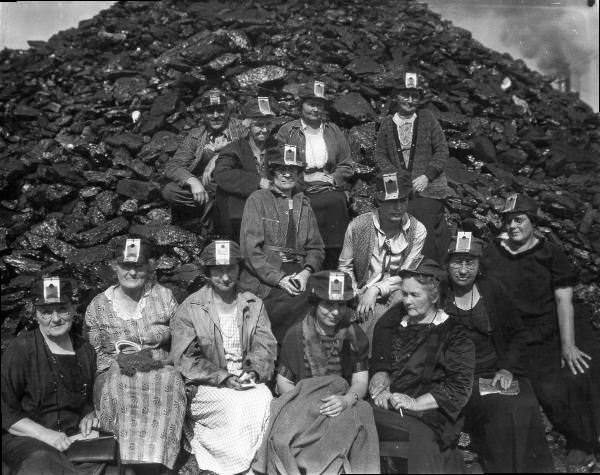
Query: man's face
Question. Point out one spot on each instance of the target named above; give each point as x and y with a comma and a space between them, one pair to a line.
407, 103
215, 117
393, 210
260, 128
313, 110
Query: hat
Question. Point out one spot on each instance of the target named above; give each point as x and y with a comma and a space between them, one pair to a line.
411, 83
51, 290
331, 285
466, 243
212, 97
422, 265
259, 107
133, 251
313, 90
520, 203
284, 154
221, 253
393, 186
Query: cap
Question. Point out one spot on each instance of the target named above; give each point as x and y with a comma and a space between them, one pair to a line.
133, 250
331, 285
259, 107
393, 186
412, 83
212, 97
422, 265
221, 253
313, 90
284, 154
52, 290
520, 203
465, 243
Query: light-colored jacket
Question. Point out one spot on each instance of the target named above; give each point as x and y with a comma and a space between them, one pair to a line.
197, 343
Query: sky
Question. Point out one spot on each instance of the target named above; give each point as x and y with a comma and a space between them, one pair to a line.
549, 35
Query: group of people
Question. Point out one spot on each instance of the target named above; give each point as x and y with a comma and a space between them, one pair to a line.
315, 336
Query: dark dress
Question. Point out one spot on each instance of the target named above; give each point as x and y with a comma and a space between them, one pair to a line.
436, 359
531, 278
506, 431
53, 390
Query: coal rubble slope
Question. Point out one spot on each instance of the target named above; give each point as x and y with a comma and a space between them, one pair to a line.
90, 117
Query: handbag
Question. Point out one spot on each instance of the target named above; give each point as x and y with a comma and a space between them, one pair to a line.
101, 449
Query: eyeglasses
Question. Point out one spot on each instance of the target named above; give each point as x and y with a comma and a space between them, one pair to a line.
286, 170
468, 263
47, 313
213, 109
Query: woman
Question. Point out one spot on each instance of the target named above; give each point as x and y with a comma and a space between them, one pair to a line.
322, 376
223, 346
280, 252
324, 148
47, 378
506, 430
138, 395
422, 364
540, 279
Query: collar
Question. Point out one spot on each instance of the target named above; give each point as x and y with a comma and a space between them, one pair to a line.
255, 150
377, 225
304, 126
440, 317
503, 239
398, 120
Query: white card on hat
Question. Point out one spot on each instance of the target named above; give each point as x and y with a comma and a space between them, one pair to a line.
51, 289
131, 253
410, 80
416, 262
289, 155
390, 185
511, 202
215, 99
222, 253
463, 241
336, 286
319, 89
264, 106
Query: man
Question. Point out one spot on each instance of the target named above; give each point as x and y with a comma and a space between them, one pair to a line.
412, 141
240, 169
191, 189
380, 243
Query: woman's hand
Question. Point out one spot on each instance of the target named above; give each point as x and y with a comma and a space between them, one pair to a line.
89, 420
366, 303
420, 183
333, 405
382, 399
232, 382
504, 377
58, 440
402, 401
379, 383
574, 358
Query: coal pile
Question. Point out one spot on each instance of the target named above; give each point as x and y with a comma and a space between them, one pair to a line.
90, 117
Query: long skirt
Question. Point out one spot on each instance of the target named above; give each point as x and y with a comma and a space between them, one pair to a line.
507, 431
424, 454
145, 411
224, 427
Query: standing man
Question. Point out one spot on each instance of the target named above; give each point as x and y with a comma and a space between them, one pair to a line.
241, 169
412, 141
377, 245
191, 189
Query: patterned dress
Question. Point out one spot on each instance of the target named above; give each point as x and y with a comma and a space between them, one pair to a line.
145, 410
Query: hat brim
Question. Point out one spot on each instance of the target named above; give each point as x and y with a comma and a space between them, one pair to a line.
470, 253
39, 302
380, 196
346, 296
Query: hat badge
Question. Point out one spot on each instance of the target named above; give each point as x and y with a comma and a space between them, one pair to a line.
390, 185
222, 253
336, 286
264, 106
319, 89
131, 253
51, 286
463, 242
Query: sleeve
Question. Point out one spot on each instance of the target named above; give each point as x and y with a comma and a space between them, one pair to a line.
177, 168
13, 378
453, 391
563, 272
231, 177
314, 247
252, 240
388, 285
381, 156
419, 241
359, 350
94, 335
346, 259
344, 166
282, 134
439, 148
187, 353
381, 351
263, 349
289, 347
160, 332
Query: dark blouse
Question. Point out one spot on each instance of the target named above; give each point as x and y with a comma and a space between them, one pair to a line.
53, 390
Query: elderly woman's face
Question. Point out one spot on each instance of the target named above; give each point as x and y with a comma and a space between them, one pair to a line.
329, 313
132, 276
519, 228
55, 320
463, 269
417, 298
313, 110
223, 278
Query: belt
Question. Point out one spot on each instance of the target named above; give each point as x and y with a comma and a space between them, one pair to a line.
287, 254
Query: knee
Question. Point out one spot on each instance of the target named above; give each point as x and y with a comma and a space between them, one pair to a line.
40, 459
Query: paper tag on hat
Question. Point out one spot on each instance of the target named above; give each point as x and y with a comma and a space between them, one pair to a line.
463, 241
336, 286
319, 89
289, 155
51, 289
415, 263
511, 202
215, 99
131, 253
410, 80
390, 185
222, 253
264, 106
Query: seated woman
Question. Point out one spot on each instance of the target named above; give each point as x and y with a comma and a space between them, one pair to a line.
223, 346
320, 354
422, 364
138, 396
47, 378
506, 430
